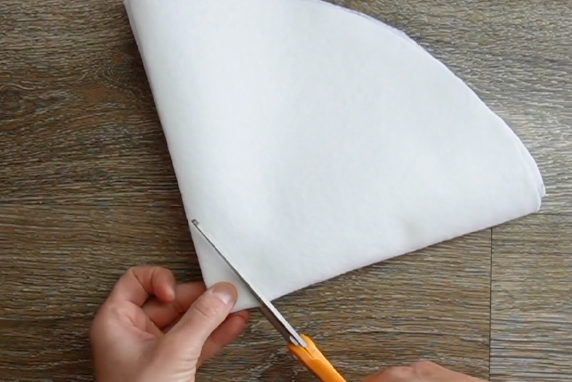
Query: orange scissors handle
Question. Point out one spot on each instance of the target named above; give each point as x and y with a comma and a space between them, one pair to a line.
315, 361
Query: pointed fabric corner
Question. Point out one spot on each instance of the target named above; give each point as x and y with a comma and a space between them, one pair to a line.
310, 140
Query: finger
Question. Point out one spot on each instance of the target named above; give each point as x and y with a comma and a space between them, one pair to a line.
141, 282
394, 374
224, 335
429, 371
122, 320
164, 314
204, 316
142, 322
167, 329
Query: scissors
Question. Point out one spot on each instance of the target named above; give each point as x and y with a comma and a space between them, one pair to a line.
300, 345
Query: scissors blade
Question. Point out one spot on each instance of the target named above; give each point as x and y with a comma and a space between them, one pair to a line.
266, 307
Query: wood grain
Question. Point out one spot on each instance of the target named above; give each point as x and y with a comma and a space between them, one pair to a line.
87, 190
78, 120
531, 300
59, 264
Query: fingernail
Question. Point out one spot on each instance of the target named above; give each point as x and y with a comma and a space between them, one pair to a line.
226, 292
171, 294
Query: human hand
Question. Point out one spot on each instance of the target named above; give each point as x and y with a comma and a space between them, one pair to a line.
152, 329
421, 372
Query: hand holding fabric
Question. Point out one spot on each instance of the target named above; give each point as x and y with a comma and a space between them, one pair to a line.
153, 329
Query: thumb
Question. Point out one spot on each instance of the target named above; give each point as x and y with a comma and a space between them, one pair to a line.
204, 316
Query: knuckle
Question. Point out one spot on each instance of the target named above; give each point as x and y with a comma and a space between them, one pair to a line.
400, 373
136, 269
133, 269
131, 272
425, 368
208, 308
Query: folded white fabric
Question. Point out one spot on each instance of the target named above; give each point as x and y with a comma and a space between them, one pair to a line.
310, 140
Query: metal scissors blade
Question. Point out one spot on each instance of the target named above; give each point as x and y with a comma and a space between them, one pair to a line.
266, 307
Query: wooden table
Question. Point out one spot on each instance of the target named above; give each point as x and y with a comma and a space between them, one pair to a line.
87, 190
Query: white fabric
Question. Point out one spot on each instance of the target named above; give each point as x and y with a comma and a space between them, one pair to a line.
309, 140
